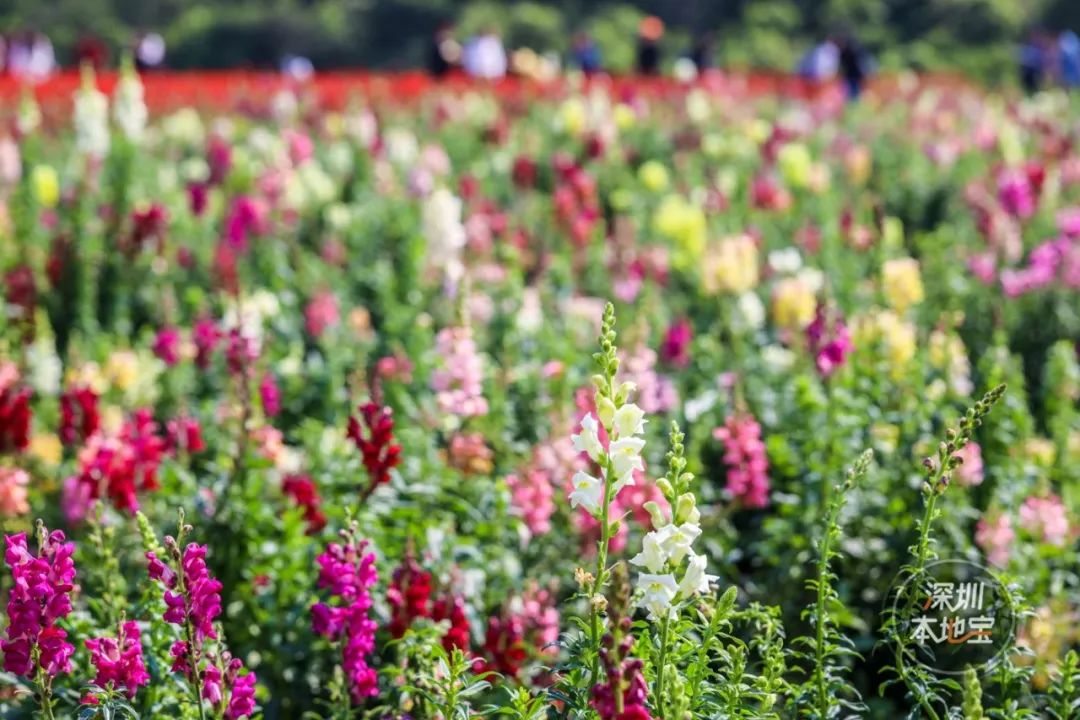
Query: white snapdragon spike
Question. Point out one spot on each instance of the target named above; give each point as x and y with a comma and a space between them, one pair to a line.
659, 593
629, 420
444, 231
588, 440
678, 540
696, 580
652, 556
588, 492
622, 458
129, 107
91, 120
625, 460
28, 119
667, 551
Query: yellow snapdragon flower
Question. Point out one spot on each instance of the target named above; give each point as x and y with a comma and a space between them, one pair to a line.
793, 303
653, 175
732, 267
682, 222
45, 184
901, 283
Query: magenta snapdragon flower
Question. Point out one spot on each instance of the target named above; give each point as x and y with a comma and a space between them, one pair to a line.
675, 349
623, 681
829, 342
39, 598
119, 660
270, 395
167, 345
195, 600
348, 573
1016, 194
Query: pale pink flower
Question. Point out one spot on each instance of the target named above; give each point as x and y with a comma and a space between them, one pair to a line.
970, 472
994, 534
1046, 518
13, 491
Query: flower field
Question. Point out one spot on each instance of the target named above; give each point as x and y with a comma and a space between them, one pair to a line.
585, 401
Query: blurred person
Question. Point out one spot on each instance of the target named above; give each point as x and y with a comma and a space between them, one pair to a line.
586, 54
1032, 62
91, 50
1069, 59
484, 56
820, 62
702, 52
650, 31
853, 61
297, 67
149, 51
444, 52
31, 57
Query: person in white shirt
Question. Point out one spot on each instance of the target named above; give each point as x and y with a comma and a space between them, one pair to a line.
484, 56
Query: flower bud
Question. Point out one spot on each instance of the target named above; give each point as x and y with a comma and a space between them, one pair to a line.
605, 410
656, 515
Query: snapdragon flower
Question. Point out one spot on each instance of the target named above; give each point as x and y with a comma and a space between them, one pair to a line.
91, 119
40, 596
129, 107
675, 571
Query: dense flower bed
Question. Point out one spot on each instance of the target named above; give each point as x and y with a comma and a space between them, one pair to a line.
596, 404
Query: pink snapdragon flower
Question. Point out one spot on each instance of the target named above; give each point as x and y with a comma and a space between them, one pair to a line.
119, 660
744, 456
995, 535
1068, 222
321, 314
655, 392
348, 573
458, 382
970, 472
532, 498
40, 596
1046, 518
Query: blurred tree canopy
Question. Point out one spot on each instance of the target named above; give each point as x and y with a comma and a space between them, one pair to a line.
977, 37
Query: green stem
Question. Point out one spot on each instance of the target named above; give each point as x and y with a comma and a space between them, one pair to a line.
819, 619
196, 684
598, 582
45, 692
921, 551
660, 667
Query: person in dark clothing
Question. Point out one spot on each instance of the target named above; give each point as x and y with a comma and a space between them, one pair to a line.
586, 54
701, 54
444, 51
852, 62
1032, 62
648, 53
